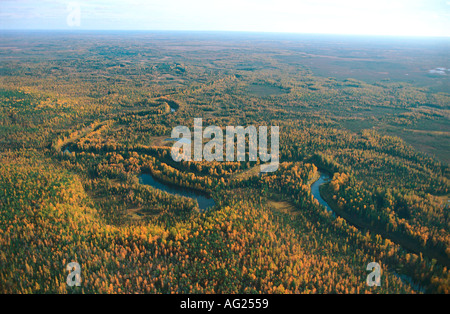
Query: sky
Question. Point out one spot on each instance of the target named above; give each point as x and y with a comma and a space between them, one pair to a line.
360, 17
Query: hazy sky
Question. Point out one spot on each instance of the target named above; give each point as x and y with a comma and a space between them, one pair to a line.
375, 17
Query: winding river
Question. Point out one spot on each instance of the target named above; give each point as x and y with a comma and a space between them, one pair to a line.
204, 201
315, 191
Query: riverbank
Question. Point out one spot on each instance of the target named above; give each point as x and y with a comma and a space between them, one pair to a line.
361, 224
315, 191
203, 199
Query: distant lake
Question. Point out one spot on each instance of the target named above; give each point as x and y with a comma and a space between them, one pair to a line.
204, 201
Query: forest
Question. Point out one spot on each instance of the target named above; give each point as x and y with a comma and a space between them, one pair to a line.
83, 116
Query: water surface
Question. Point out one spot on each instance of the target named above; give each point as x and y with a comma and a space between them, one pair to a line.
315, 191
204, 201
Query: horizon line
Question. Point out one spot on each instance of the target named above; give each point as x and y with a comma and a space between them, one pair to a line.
221, 31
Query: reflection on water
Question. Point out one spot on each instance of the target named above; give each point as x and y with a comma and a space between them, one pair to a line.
324, 178
408, 280
204, 201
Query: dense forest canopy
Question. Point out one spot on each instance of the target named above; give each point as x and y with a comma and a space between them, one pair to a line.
83, 115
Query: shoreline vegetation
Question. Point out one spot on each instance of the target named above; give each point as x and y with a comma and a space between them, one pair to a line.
362, 225
109, 98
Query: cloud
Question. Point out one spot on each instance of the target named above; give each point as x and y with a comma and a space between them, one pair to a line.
407, 17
